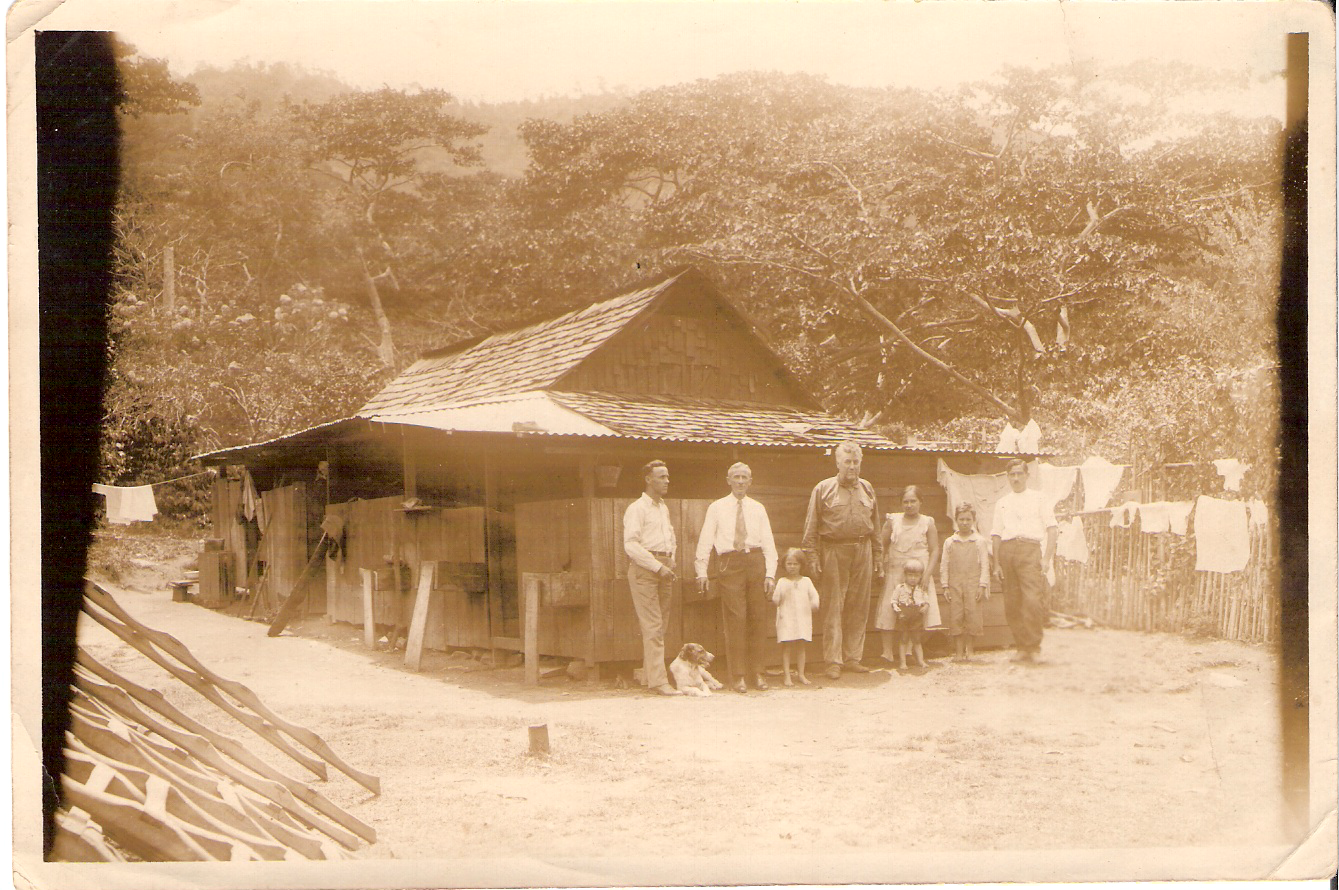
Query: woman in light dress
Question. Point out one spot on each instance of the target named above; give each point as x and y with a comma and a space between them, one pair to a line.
907, 535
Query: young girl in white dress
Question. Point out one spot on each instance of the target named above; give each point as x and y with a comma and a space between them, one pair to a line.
906, 536
796, 601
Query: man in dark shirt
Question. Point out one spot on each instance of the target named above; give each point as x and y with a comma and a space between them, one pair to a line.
841, 541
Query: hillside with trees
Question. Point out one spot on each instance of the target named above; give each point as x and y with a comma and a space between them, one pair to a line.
1082, 247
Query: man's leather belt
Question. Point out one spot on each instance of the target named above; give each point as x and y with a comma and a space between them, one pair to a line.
746, 550
857, 540
660, 553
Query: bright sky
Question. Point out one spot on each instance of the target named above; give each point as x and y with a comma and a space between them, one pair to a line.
511, 49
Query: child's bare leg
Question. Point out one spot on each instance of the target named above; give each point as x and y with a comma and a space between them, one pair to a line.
902, 654
785, 661
971, 648
959, 646
920, 654
800, 656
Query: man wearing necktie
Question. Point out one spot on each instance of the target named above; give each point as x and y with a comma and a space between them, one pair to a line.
738, 530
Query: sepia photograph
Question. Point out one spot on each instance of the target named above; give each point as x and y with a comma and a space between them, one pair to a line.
686, 443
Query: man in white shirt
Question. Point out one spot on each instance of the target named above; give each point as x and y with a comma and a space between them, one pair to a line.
1024, 519
738, 530
648, 539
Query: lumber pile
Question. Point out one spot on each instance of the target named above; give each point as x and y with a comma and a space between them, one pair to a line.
146, 781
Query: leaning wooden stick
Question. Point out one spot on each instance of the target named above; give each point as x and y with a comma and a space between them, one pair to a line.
241, 693
299, 591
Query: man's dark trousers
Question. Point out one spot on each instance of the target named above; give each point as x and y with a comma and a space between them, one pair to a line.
740, 582
1020, 564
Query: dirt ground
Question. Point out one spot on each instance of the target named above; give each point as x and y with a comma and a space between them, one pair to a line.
1119, 740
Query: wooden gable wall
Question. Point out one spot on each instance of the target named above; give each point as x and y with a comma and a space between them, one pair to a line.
689, 346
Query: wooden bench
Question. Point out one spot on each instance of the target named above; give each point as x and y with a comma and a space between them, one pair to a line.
181, 591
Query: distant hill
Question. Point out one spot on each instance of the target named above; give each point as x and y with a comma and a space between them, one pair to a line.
269, 84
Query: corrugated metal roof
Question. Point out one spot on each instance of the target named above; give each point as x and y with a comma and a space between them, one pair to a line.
678, 419
523, 360
528, 412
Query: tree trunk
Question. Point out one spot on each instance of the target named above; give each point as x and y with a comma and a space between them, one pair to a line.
386, 349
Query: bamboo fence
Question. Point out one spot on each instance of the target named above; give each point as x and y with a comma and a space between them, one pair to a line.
1137, 580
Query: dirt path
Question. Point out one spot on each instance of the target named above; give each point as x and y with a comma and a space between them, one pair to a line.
1120, 740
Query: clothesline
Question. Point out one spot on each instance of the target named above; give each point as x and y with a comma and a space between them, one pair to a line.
210, 472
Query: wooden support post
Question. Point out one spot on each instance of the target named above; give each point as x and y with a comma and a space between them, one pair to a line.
369, 619
530, 589
418, 623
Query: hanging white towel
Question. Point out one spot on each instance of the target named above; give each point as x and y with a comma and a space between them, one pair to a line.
1072, 544
253, 505
1155, 517
127, 505
1122, 516
1100, 478
1222, 538
1178, 517
1258, 512
980, 490
1008, 441
1231, 470
1029, 438
1056, 482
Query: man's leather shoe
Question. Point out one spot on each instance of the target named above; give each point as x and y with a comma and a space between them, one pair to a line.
856, 667
666, 689
760, 683
741, 686
834, 672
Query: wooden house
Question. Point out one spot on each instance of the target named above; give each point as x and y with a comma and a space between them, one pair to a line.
508, 462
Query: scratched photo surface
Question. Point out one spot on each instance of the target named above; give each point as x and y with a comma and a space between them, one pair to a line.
441, 340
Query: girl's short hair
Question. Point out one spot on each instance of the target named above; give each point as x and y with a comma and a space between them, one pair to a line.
911, 491
795, 552
964, 508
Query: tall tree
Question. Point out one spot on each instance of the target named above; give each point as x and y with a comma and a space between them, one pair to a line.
374, 149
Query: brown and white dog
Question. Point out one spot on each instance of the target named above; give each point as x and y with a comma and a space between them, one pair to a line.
689, 670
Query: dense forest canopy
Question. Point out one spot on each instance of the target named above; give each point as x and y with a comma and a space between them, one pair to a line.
1078, 246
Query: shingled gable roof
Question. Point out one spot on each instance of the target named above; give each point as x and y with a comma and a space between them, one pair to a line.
537, 357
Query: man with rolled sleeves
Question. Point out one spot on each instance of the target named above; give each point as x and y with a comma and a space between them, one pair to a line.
1023, 537
736, 527
648, 539
842, 542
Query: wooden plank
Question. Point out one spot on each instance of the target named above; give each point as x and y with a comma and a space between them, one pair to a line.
369, 620
418, 624
532, 586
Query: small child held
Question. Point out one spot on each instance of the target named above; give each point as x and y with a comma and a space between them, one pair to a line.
964, 575
796, 601
911, 602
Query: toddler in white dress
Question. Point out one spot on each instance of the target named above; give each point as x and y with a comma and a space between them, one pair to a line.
796, 601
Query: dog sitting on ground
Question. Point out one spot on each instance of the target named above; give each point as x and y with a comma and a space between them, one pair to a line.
689, 671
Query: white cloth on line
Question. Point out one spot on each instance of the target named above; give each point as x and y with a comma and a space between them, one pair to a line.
1071, 543
253, 505
1029, 438
1155, 517
127, 505
1258, 512
1008, 440
1231, 470
1056, 482
1222, 537
1122, 516
1100, 479
981, 490
1178, 517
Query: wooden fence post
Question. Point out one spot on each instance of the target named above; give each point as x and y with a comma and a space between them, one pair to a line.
369, 618
418, 623
530, 632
